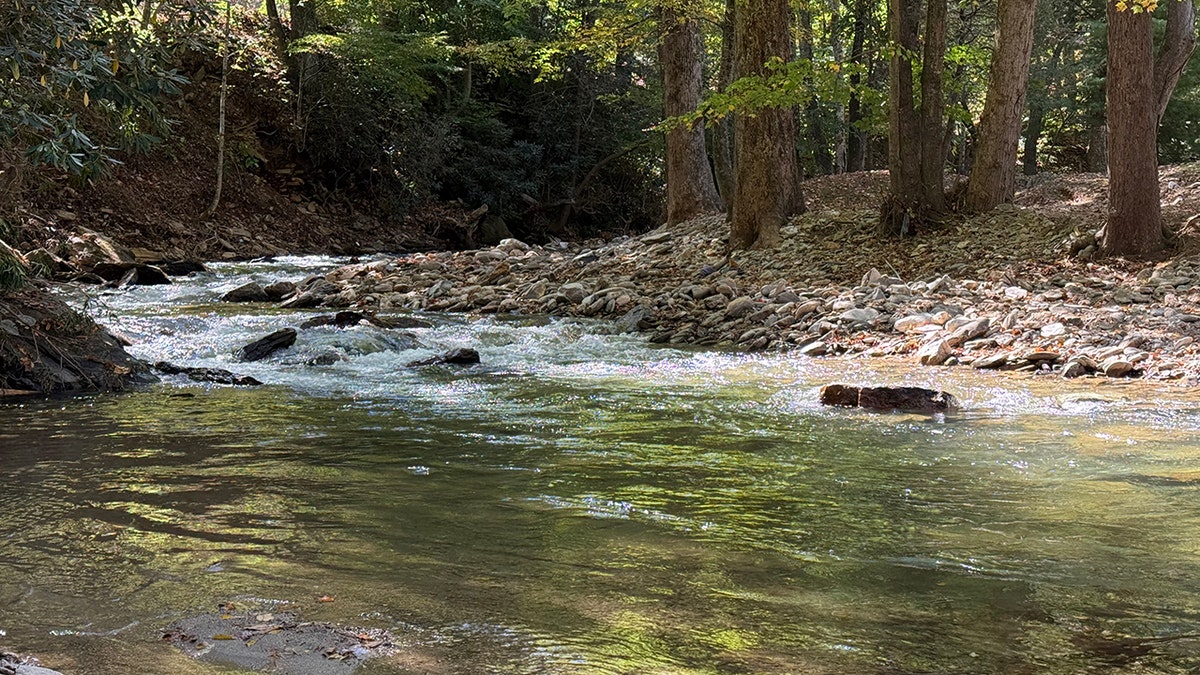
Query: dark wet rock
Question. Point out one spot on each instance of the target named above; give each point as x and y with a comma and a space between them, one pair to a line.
49, 348
181, 268
131, 274
278, 642
279, 290
349, 318
264, 347
453, 357
250, 292
401, 322
906, 399
214, 375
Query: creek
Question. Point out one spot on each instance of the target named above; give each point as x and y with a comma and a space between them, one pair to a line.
591, 503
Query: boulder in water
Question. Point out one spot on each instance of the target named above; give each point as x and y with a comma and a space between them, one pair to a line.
214, 375
264, 347
905, 399
127, 274
460, 357
250, 292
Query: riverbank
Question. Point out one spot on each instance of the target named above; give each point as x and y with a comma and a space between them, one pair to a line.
1014, 289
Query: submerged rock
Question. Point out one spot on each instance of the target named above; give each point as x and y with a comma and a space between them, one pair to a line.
278, 642
14, 664
264, 347
214, 375
452, 357
906, 399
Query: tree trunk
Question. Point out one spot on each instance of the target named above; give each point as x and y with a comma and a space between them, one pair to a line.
277, 27
856, 143
815, 134
722, 131
767, 175
1033, 133
1134, 224
1179, 41
994, 174
690, 187
904, 151
933, 110
216, 201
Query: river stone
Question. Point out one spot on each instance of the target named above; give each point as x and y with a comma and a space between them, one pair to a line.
634, 320
181, 268
460, 356
279, 290
249, 292
657, 237
264, 347
280, 643
906, 399
131, 274
574, 292
1054, 330
934, 353
912, 322
989, 362
214, 375
739, 307
968, 331
866, 315
1116, 367
1074, 368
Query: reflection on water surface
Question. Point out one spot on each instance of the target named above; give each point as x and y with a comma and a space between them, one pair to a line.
590, 504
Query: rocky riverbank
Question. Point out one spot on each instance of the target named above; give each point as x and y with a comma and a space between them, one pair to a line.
976, 303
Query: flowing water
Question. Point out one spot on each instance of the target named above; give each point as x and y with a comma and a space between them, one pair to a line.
585, 503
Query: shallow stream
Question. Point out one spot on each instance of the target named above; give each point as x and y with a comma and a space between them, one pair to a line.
586, 503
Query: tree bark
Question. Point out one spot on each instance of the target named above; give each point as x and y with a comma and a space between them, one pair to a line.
690, 187
994, 174
933, 110
216, 201
904, 150
1134, 224
1179, 42
856, 151
767, 174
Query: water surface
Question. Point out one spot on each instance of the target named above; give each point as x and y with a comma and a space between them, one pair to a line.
585, 503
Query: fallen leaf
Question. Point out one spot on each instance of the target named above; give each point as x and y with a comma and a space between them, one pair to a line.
325, 598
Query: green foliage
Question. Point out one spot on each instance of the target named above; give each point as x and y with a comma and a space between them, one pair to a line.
14, 274
83, 79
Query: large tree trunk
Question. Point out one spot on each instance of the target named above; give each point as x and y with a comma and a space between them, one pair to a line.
856, 151
904, 127
1179, 41
933, 110
722, 130
767, 175
994, 174
690, 187
1134, 224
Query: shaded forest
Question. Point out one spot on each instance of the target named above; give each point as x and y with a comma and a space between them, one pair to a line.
563, 120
